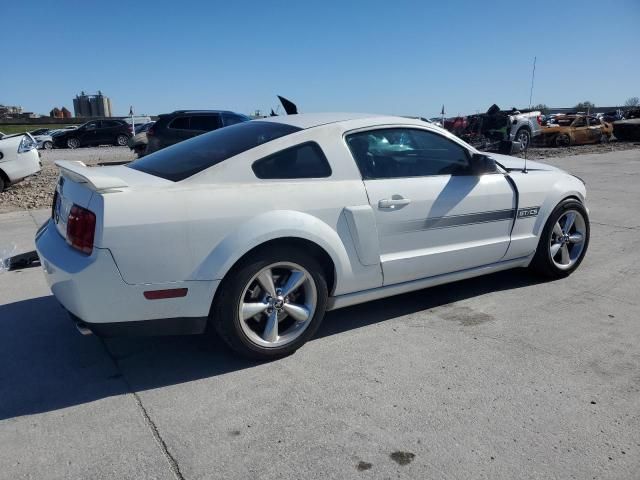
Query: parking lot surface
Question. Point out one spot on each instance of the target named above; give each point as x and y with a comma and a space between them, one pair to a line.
498, 377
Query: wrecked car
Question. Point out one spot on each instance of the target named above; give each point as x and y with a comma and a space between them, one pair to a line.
629, 128
575, 129
488, 131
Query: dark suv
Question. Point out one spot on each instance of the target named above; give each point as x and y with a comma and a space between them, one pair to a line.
95, 132
180, 125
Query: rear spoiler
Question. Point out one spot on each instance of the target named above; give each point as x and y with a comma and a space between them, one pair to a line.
97, 178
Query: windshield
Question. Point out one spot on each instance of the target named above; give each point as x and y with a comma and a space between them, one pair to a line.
187, 158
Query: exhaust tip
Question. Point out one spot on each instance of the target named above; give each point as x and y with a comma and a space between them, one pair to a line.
83, 328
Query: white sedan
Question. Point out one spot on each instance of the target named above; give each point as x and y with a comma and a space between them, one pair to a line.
259, 228
19, 159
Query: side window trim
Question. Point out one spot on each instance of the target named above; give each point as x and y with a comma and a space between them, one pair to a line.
311, 143
468, 153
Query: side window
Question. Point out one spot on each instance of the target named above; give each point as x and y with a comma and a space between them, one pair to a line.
406, 152
205, 123
302, 161
93, 125
594, 121
179, 123
579, 122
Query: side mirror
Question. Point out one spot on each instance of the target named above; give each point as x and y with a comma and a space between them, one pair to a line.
481, 164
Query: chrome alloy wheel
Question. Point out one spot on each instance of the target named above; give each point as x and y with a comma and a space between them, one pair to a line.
567, 239
277, 304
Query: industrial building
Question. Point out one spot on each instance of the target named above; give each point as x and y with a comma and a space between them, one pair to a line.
97, 105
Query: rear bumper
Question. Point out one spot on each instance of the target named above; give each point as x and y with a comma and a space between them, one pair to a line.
162, 326
92, 289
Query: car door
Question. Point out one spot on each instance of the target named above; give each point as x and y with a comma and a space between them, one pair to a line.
595, 129
580, 131
107, 131
177, 130
88, 133
433, 215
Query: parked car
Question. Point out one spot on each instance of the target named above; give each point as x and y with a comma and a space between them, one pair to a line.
629, 128
44, 141
40, 131
19, 159
180, 125
94, 132
567, 130
138, 143
258, 228
487, 131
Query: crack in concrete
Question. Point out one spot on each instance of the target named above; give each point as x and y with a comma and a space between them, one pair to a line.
173, 464
615, 226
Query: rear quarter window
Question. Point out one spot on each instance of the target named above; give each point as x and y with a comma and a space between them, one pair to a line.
306, 160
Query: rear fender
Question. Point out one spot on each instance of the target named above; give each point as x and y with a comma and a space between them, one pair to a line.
271, 226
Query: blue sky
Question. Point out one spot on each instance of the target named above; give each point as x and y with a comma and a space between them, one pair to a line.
397, 57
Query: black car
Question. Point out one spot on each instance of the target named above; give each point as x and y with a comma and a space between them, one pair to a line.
171, 128
95, 132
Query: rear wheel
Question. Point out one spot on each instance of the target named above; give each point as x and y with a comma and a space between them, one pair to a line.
271, 304
122, 140
564, 240
524, 137
47, 145
73, 143
3, 184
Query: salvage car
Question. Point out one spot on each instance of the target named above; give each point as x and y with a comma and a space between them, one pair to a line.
565, 130
487, 131
19, 159
138, 143
629, 128
171, 128
93, 133
257, 229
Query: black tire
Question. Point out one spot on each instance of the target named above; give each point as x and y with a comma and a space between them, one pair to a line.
73, 143
121, 140
3, 183
47, 145
524, 137
542, 262
563, 140
225, 316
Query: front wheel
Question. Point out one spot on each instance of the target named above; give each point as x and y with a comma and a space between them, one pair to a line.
47, 145
271, 304
564, 240
122, 140
73, 143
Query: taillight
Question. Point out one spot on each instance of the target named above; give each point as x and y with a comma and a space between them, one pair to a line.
81, 228
539, 119
150, 132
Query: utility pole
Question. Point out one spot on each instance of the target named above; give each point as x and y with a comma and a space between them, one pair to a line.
533, 76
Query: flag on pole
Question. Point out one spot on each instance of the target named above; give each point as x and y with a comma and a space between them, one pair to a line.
131, 110
442, 111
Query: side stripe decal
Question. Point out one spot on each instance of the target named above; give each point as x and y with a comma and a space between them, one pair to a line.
434, 223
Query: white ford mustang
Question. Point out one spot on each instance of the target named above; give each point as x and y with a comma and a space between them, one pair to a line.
259, 228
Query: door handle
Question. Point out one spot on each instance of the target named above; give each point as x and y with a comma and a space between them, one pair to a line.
394, 202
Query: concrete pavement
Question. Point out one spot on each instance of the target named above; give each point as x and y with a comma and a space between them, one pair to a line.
498, 377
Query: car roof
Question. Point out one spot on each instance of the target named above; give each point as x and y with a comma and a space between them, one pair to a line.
198, 111
310, 120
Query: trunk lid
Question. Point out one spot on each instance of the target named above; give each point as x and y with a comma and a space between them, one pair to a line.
78, 184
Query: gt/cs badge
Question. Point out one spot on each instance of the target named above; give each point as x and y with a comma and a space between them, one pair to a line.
528, 212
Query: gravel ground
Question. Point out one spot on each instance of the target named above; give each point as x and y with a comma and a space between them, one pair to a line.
37, 191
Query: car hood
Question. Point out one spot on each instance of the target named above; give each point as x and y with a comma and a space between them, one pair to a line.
515, 163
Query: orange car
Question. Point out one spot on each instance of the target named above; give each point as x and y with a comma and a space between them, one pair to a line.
575, 130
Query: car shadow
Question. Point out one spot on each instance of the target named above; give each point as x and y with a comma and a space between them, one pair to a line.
46, 365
